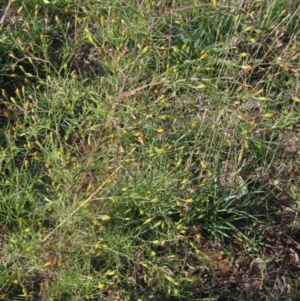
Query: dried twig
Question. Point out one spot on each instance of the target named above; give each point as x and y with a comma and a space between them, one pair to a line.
2, 21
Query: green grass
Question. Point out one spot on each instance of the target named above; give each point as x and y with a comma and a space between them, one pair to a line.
118, 185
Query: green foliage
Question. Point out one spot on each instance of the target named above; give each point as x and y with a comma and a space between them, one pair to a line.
135, 138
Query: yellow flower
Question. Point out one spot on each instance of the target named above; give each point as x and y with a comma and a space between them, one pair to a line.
146, 49
129, 160
68, 8
202, 86
204, 56
102, 20
193, 124
160, 151
155, 200
158, 224
246, 67
203, 165
249, 28
101, 286
149, 220
179, 161
105, 217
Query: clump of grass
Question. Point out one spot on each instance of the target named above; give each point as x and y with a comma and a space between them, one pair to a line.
119, 185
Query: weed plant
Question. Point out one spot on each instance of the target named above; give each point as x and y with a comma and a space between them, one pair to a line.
120, 185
